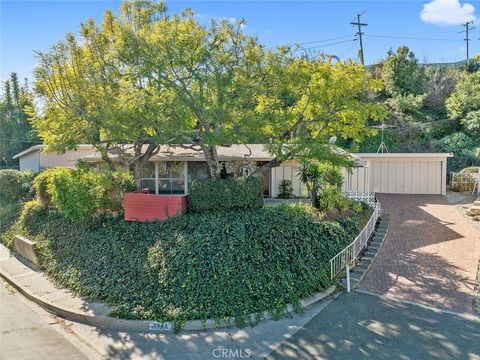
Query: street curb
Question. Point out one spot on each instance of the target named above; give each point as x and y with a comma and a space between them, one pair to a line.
146, 326
466, 316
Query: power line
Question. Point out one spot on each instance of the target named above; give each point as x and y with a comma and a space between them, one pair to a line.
341, 56
410, 38
330, 39
359, 34
313, 42
324, 45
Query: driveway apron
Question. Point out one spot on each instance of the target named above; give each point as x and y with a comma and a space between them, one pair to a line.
430, 255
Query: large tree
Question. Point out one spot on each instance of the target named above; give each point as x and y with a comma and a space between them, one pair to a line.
147, 78
92, 95
308, 104
16, 133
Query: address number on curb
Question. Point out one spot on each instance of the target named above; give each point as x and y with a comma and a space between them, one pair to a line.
157, 326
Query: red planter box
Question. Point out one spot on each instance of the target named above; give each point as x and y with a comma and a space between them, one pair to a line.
148, 207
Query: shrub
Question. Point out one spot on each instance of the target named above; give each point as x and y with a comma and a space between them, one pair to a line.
331, 199
197, 266
406, 103
8, 215
462, 147
285, 189
219, 194
319, 175
82, 193
14, 185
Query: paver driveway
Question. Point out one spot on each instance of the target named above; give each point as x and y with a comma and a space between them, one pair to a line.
430, 254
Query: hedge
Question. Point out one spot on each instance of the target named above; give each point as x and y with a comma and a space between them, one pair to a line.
14, 185
82, 193
197, 266
225, 194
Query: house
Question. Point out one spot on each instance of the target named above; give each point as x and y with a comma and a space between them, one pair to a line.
36, 159
173, 169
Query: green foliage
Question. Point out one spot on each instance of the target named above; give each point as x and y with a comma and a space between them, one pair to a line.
196, 266
8, 215
285, 189
463, 148
80, 194
473, 65
371, 145
438, 85
319, 175
464, 102
309, 103
331, 199
16, 133
219, 194
406, 103
401, 73
14, 185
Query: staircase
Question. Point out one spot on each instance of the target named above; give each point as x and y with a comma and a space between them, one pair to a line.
366, 259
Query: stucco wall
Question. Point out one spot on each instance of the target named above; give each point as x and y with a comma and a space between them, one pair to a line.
68, 159
30, 162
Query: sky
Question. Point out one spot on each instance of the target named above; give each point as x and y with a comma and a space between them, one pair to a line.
29, 26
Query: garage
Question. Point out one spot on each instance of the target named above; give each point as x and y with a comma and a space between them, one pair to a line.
414, 173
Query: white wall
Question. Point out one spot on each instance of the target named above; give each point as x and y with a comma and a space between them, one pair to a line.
407, 176
384, 173
356, 179
36, 160
286, 171
30, 162
68, 159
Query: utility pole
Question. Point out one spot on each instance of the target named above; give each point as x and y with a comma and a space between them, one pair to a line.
360, 33
467, 35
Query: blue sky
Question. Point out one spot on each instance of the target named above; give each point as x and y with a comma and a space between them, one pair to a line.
26, 26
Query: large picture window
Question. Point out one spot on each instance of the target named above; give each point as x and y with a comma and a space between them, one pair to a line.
171, 177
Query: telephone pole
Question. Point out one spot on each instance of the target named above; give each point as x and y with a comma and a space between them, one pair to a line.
467, 36
360, 33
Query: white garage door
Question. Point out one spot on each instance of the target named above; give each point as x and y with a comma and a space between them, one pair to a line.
406, 176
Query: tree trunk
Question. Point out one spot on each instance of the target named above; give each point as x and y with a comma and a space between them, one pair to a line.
140, 159
211, 156
313, 194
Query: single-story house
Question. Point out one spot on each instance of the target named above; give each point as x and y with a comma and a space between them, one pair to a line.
36, 159
173, 168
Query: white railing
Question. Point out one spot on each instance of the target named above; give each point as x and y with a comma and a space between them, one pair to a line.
345, 257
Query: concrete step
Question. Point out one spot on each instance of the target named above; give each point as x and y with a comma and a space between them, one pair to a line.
361, 268
369, 255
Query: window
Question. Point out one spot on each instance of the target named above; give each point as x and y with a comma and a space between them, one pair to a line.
197, 170
147, 180
171, 178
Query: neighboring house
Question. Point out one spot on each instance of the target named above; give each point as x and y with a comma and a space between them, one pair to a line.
36, 159
174, 168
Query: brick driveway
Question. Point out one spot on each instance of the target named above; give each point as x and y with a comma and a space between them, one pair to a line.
430, 255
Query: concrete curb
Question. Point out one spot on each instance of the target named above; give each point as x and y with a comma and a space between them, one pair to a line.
466, 316
146, 326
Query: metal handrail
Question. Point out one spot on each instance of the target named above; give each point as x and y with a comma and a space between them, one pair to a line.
345, 257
